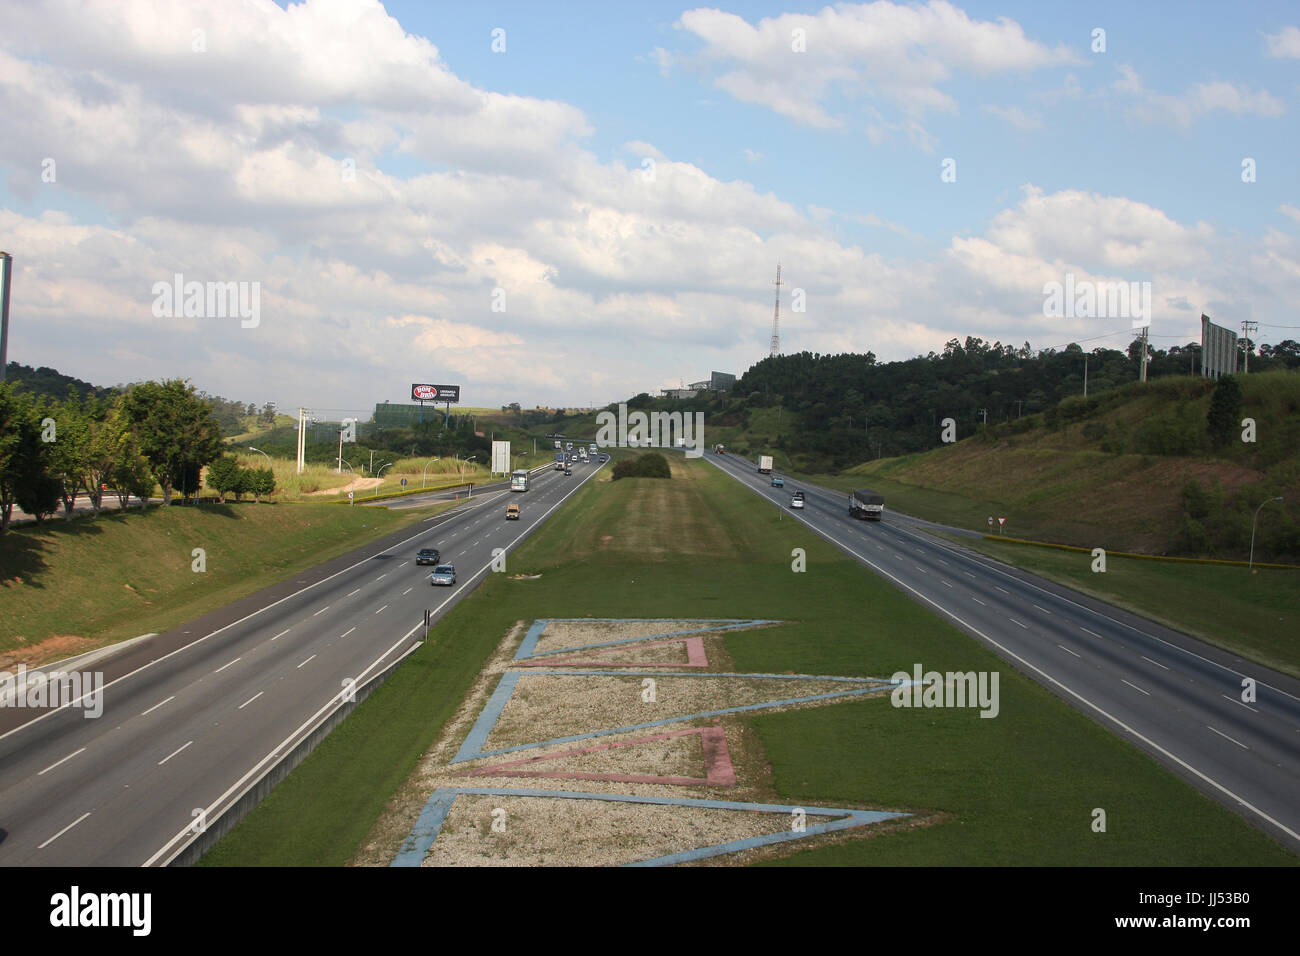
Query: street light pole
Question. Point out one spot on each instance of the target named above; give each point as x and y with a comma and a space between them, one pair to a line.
380, 476
426, 469
1251, 565
353, 481
263, 454
462, 472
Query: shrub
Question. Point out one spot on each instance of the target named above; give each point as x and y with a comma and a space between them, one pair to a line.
651, 465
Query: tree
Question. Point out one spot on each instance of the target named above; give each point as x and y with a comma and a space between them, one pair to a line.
262, 482
225, 476
24, 459
175, 430
1225, 411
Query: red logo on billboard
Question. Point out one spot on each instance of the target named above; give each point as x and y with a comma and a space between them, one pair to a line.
424, 393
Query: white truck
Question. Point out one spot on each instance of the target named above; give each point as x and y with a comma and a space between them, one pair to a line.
866, 504
764, 464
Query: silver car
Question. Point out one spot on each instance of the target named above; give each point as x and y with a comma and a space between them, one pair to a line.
444, 574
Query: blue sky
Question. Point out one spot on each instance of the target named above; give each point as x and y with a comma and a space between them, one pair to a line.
521, 171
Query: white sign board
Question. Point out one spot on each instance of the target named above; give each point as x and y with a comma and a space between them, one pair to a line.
501, 457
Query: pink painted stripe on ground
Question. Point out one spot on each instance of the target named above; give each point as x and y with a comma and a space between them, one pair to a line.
695, 656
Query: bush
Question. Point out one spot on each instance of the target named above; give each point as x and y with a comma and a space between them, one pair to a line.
650, 465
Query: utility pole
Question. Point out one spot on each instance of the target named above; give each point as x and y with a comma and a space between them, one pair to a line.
339, 470
1146, 354
6, 276
1085, 375
1246, 329
1019, 402
302, 439
985, 413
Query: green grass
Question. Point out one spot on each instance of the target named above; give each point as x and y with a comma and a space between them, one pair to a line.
69, 586
1254, 615
1019, 789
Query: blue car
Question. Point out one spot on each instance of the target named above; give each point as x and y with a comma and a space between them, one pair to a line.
778, 482
443, 574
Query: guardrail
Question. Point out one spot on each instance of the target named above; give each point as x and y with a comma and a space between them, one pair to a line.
1143, 557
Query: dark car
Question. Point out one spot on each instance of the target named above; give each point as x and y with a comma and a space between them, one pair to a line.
428, 556
568, 471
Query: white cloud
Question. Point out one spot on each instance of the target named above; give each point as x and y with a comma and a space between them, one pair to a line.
1285, 43
1195, 103
1016, 116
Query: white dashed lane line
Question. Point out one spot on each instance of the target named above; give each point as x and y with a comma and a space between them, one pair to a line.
978, 601
347, 632
1014, 621
1226, 737
64, 830
1241, 702
249, 701
308, 660
387, 605
157, 705
1134, 686
1150, 661
1068, 651
281, 634
405, 593
1043, 609
173, 753
224, 666
357, 591
57, 762
321, 611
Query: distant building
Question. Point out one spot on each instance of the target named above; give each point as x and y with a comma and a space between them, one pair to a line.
679, 392
717, 382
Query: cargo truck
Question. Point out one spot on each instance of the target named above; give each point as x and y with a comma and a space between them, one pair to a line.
866, 504
764, 464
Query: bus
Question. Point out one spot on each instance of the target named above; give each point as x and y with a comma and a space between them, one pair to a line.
519, 481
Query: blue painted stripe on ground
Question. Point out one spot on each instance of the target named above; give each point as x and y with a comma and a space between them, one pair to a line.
426, 829
464, 755
727, 626
478, 734
530, 639
435, 811
735, 846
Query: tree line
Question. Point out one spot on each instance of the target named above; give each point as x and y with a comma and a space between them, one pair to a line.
151, 434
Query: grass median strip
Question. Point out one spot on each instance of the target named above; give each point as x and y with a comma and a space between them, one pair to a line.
1018, 789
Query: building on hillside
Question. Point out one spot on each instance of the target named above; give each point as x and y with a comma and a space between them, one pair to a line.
717, 382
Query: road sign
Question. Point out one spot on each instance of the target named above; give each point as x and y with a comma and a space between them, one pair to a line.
990, 521
1002, 522
403, 482
428, 617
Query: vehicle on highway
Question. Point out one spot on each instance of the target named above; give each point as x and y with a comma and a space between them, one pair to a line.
443, 575
593, 449
866, 503
428, 556
519, 480
568, 471
764, 464
778, 481
719, 449
796, 500
512, 512
559, 466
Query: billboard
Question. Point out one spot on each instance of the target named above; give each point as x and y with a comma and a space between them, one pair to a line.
1218, 349
435, 393
501, 457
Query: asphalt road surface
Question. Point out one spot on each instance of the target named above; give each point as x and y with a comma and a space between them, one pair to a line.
192, 716
1175, 697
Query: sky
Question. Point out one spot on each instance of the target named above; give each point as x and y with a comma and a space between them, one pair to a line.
565, 204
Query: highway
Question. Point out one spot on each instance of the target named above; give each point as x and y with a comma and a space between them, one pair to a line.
193, 716
1176, 698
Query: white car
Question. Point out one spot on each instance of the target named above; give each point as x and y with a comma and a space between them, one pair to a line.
796, 500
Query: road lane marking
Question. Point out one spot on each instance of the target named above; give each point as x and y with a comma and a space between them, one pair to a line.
382, 576
1134, 686
224, 666
1014, 621
173, 754
1226, 737
57, 762
347, 632
281, 634
946, 584
381, 608
1043, 609
1003, 590
321, 611
64, 830
1068, 651
406, 592
157, 705
308, 660
249, 701
977, 600
1157, 663
350, 593
1241, 702
1086, 631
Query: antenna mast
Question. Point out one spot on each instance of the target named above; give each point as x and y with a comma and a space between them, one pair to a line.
776, 316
